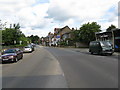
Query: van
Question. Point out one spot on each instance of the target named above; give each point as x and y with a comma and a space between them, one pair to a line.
101, 47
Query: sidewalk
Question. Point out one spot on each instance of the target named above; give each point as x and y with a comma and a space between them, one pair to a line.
86, 50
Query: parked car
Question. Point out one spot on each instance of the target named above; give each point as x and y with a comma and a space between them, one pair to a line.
13, 55
101, 47
34, 45
31, 47
28, 49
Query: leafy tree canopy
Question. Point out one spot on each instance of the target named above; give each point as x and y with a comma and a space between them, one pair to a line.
12, 35
76, 36
87, 32
109, 29
34, 39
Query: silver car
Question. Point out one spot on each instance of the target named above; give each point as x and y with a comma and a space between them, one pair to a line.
27, 49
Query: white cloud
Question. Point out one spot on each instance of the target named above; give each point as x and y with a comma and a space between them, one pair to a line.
40, 18
28, 31
13, 6
80, 10
33, 16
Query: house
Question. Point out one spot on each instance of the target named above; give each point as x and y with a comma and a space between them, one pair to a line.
65, 33
50, 36
61, 34
56, 37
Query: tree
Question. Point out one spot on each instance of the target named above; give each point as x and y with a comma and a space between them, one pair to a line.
12, 36
0, 40
34, 39
109, 29
24, 39
2, 25
76, 36
16, 26
87, 32
8, 36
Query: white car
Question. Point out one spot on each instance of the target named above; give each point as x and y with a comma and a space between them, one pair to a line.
27, 49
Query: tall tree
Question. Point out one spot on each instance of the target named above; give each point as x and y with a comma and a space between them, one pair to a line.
2, 25
76, 35
34, 39
17, 26
109, 29
8, 36
87, 32
11, 36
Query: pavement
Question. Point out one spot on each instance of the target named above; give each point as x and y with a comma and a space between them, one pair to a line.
86, 50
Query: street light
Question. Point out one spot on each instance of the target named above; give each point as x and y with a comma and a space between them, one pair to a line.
113, 38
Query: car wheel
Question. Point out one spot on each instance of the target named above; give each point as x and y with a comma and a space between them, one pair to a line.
16, 59
110, 54
21, 56
3, 62
91, 52
99, 53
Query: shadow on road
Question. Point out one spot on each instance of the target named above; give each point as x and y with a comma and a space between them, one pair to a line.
6, 62
107, 55
43, 81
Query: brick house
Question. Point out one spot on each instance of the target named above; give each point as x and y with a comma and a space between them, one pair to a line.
50, 36
61, 34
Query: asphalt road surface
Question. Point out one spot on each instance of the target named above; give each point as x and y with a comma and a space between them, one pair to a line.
61, 68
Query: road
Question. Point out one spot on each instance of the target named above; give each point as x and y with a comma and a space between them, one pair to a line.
50, 67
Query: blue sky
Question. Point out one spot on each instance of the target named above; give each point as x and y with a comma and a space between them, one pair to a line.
42, 1
39, 17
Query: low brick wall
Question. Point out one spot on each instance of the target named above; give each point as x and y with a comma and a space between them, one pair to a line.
79, 44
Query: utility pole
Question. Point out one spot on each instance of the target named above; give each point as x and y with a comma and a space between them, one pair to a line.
113, 38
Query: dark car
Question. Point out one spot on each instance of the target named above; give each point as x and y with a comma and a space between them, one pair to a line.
12, 55
101, 47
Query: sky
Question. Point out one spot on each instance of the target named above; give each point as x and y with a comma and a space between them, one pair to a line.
39, 17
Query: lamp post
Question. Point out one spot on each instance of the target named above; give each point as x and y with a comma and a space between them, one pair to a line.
113, 38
